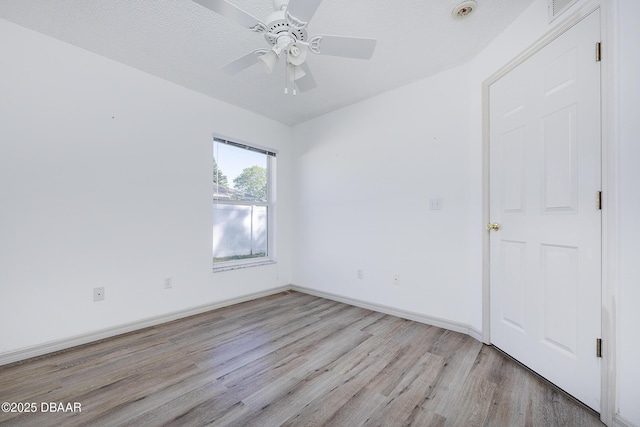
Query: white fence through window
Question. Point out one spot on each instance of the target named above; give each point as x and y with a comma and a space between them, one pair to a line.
239, 231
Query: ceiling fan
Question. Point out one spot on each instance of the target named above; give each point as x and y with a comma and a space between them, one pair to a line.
285, 29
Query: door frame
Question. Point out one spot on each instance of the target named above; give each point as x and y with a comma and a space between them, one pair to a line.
607, 90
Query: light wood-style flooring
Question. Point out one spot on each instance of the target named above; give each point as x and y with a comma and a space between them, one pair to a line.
289, 359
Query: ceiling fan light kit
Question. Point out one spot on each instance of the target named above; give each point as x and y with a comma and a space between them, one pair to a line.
286, 31
269, 60
296, 54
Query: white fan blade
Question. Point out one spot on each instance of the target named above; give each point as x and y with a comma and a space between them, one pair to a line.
243, 62
303, 10
232, 12
307, 82
350, 47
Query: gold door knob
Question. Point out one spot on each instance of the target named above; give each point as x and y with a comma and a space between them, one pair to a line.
493, 227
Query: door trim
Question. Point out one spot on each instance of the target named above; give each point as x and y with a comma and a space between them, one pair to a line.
608, 309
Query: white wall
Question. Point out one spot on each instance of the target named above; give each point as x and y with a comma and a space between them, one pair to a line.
105, 180
627, 176
90, 200
365, 178
366, 173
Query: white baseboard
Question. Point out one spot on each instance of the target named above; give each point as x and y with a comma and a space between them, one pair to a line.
618, 421
476, 334
405, 314
66, 343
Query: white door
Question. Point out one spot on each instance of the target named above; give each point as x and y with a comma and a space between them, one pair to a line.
544, 182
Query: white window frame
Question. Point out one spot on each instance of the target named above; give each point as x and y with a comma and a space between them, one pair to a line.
270, 258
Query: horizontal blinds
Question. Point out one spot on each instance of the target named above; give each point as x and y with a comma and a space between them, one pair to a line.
246, 147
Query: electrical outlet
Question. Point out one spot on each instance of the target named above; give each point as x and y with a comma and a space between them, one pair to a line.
396, 280
435, 204
98, 294
168, 282
360, 274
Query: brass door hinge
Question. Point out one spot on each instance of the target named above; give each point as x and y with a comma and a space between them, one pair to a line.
598, 52
599, 347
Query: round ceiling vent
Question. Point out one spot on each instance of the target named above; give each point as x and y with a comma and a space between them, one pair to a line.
464, 9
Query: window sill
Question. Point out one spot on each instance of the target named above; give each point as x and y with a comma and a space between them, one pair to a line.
229, 267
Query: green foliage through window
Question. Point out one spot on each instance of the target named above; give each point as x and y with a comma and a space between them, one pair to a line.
253, 183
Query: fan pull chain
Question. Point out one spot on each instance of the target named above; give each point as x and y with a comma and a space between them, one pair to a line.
290, 69
294, 81
286, 79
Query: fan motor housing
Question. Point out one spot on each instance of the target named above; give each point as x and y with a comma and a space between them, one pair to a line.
277, 25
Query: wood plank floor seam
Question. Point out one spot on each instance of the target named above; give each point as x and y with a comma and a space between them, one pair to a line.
290, 359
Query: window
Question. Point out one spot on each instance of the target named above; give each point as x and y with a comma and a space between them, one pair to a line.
242, 204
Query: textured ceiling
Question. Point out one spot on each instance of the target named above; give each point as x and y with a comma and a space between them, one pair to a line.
182, 42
